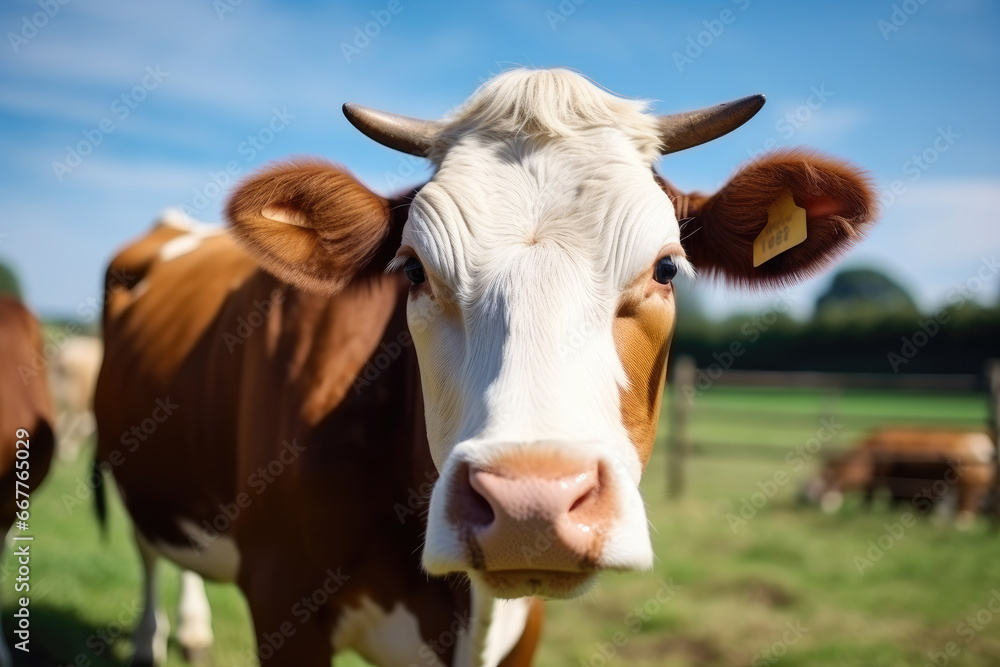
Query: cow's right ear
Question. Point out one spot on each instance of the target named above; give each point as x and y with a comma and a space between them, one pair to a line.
310, 223
719, 232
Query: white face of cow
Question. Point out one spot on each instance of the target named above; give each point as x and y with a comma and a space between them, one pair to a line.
541, 255
536, 286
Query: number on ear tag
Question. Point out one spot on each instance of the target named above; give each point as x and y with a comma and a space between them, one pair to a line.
785, 228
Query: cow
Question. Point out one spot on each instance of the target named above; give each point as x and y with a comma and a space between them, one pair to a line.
72, 378
26, 435
399, 422
916, 466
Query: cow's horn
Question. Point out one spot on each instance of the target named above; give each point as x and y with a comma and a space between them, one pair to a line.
403, 133
691, 128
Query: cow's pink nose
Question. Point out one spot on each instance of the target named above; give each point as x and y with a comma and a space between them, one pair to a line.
535, 514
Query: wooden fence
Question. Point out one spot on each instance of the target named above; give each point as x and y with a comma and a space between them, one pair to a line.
687, 381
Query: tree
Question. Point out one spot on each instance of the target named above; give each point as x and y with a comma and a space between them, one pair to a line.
9, 284
863, 295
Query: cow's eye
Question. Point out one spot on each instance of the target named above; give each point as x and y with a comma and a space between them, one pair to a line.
414, 270
665, 270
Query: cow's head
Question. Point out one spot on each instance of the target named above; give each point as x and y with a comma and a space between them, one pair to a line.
541, 255
850, 471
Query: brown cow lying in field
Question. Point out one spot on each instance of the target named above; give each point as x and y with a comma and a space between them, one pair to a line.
918, 466
26, 440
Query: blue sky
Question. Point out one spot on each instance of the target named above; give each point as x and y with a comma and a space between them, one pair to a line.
167, 95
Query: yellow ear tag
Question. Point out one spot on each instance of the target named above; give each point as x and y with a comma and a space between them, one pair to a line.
785, 228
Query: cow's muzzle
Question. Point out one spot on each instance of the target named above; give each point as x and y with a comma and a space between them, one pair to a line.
533, 520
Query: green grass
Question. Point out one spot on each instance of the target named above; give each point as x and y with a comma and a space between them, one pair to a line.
736, 591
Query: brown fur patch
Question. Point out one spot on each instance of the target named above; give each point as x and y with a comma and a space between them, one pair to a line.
24, 404
643, 329
839, 199
325, 229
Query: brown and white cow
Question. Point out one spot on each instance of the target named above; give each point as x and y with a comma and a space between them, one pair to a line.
26, 437
515, 351
916, 466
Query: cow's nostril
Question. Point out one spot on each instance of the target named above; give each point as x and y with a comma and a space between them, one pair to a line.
473, 507
586, 499
479, 511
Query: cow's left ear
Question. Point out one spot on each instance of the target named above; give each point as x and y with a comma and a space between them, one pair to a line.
312, 224
718, 231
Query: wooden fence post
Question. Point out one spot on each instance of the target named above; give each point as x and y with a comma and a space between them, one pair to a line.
679, 442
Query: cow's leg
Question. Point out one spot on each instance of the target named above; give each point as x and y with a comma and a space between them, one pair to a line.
194, 618
150, 635
947, 504
831, 501
869, 495
970, 497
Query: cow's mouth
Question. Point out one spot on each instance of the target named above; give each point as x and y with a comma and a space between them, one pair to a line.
554, 584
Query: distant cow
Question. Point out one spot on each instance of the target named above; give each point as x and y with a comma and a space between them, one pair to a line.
917, 466
275, 405
26, 440
72, 379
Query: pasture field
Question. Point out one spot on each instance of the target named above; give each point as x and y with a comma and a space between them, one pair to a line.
782, 588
